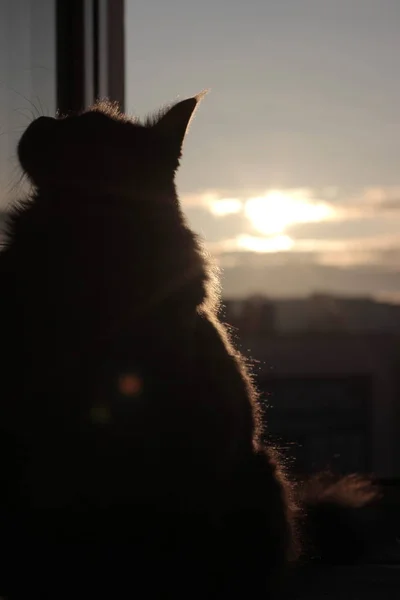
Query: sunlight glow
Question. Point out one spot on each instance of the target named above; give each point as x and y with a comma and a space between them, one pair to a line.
130, 384
225, 206
278, 243
273, 213
100, 415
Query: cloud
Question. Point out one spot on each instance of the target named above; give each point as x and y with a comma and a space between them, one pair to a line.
291, 277
252, 243
226, 206
358, 226
388, 296
347, 229
368, 201
389, 206
199, 199
275, 211
210, 198
216, 229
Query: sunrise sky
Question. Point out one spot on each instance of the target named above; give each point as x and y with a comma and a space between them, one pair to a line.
291, 166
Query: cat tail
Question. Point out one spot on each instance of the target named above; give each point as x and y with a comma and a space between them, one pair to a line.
336, 527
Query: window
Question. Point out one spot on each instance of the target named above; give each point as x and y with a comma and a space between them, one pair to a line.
54, 55
27, 78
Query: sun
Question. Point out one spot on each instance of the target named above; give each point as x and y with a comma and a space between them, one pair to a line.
273, 213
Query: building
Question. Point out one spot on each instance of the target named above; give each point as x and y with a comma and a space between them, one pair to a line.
332, 393
319, 313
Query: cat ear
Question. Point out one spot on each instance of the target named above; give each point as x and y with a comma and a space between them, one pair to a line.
173, 125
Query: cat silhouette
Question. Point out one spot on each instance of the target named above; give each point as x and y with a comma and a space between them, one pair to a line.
130, 429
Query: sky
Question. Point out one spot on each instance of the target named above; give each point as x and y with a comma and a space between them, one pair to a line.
290, 168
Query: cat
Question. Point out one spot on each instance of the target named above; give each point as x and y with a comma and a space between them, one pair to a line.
130, 428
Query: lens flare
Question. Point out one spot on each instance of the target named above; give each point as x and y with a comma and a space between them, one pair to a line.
130, 385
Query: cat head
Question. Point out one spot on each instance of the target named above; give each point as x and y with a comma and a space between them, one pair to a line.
102, 150
106, 209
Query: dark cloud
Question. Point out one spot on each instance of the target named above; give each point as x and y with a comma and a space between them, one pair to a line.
392, 205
